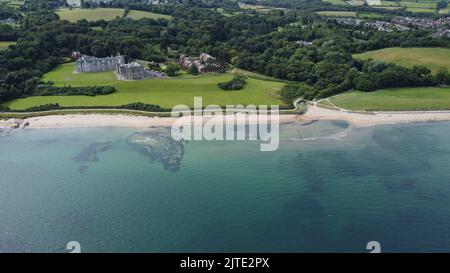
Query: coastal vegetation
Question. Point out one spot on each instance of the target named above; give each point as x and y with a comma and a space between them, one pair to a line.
290, 43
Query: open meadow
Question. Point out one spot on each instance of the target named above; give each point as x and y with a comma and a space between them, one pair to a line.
106, 14
433, 58
336, 2
415, 98
97, 14
5, 45
164, 92
138, 14
338, 13
427, 6
12, 3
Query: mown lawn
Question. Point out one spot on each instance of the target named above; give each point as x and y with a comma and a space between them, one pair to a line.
164, 92
416, 98
97, 14
433, 58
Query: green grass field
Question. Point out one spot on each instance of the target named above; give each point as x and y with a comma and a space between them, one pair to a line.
336, 2
422, 10
369, 15
433, 58
355, 2
338, 13
389, 3
5, 45
445, 11
137, 14
421, 5
97, 14
12, 3
164, 92
415, 98
259, 8
106, 14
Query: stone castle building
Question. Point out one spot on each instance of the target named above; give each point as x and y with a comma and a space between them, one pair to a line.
124, 71
86, 63
130, 71
135, 71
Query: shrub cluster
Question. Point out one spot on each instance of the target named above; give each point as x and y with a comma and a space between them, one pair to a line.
44, 107
236, 83
142, 107
4, 108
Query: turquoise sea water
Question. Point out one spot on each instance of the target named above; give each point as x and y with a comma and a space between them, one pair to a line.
328, 188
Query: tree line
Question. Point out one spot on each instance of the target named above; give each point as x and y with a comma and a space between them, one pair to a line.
295, 46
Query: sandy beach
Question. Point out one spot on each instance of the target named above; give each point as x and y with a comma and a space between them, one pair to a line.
313, 113
104, 120
375, 118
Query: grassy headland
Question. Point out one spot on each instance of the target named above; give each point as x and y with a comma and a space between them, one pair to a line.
166, 92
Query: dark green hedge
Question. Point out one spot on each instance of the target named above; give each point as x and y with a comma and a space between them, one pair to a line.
50, 90
236, 83
55, 106
4, 108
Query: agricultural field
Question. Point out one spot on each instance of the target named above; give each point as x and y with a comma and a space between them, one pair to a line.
137, 14
259, 8
12, 3
97, 14
338, 13
107, 14
433, 58
5, 45
421, 6
413, 6
336, 2
445, 11
164, 92
414, 98
389, 3
369, 15
355, 2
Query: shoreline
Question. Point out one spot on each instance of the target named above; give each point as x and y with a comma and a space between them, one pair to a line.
313, 113
374, 118
120, 120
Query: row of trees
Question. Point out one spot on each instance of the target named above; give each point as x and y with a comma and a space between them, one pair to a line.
295, 46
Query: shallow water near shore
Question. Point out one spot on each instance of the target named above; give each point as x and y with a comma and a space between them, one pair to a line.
329, 187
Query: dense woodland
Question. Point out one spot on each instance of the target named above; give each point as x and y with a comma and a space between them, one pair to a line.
264, 43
